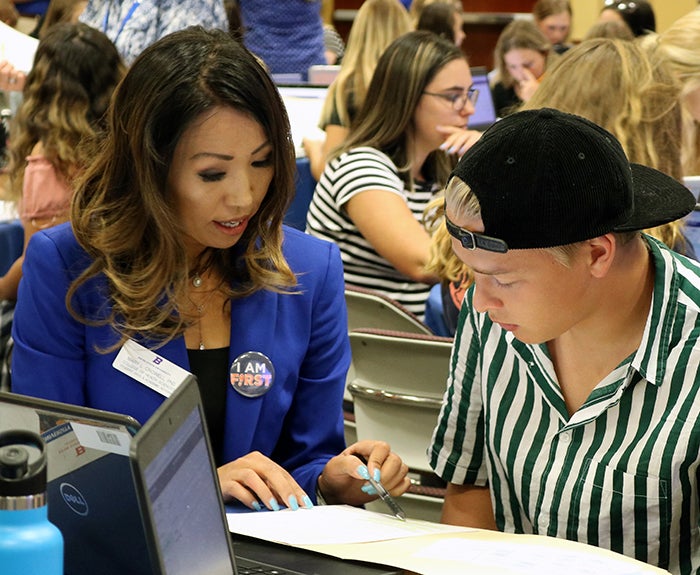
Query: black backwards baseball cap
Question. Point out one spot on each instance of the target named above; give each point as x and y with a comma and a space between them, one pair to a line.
546, 178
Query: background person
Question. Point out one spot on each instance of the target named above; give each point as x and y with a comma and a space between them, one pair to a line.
678, 45
553, 18
610, 29
399, 152
522, 55
135, 24
416, 8
288, 36
377, 24
642, 108
443, 19
64, 101
638, 15
177, 246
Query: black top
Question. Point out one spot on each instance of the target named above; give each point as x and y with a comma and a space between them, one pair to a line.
505, 100
211, 368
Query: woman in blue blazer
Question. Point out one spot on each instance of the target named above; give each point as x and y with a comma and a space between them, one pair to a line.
176, 261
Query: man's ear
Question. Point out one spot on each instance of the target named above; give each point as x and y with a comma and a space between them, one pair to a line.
601, 254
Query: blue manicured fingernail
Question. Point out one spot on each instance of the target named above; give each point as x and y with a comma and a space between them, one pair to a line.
377, 475
293, 504
369, 489
363, 471
257, 506
307, 502
452, 150
273, 503
443, 146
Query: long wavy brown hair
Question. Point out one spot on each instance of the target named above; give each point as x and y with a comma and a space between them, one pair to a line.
64, 101
386, 120
123, 213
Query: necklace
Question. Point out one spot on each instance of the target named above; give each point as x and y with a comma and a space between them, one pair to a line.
200, 312
200, 307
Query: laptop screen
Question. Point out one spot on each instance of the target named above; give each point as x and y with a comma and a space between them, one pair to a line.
304, 103
485, 113
181, 496
693, 184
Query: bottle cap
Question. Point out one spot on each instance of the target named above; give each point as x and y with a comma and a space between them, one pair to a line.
20, 477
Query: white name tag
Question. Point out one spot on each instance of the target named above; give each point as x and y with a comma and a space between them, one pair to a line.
149, 368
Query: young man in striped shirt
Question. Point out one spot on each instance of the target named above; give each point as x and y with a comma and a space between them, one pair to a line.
573, 403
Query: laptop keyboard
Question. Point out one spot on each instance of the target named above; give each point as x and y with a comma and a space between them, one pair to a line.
248, 567
259, 571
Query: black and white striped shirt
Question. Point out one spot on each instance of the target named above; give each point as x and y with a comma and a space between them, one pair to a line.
354, 172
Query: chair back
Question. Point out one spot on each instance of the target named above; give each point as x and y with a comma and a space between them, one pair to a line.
397, 386
370, 309
398, 383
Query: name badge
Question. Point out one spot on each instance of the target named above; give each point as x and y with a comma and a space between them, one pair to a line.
149, 368
252, 374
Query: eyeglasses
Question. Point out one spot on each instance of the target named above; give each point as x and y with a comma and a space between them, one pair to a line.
472, 240
458, 99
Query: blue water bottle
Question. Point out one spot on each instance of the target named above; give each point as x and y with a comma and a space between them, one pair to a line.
29, 543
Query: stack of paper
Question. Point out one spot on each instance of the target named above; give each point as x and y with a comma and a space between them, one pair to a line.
429, 548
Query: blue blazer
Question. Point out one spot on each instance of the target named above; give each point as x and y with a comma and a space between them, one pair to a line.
298, 423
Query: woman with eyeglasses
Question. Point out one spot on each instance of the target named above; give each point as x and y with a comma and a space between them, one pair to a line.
398, 155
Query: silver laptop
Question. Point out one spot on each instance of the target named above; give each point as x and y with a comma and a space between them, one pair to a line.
323, 74
304, 103
693, 184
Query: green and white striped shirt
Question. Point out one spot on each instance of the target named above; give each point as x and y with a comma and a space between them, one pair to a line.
623, 471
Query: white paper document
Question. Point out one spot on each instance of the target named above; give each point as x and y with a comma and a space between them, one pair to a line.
514, 558
17, 48
331, 524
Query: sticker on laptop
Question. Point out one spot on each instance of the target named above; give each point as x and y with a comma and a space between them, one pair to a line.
102, 438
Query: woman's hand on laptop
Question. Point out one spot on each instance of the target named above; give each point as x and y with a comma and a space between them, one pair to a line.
257, 481
344, 479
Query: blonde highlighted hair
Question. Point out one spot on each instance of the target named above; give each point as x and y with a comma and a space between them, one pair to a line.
377, 24
64, 101
634, 96
680, 46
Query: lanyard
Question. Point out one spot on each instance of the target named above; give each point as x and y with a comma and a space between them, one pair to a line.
135, 4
